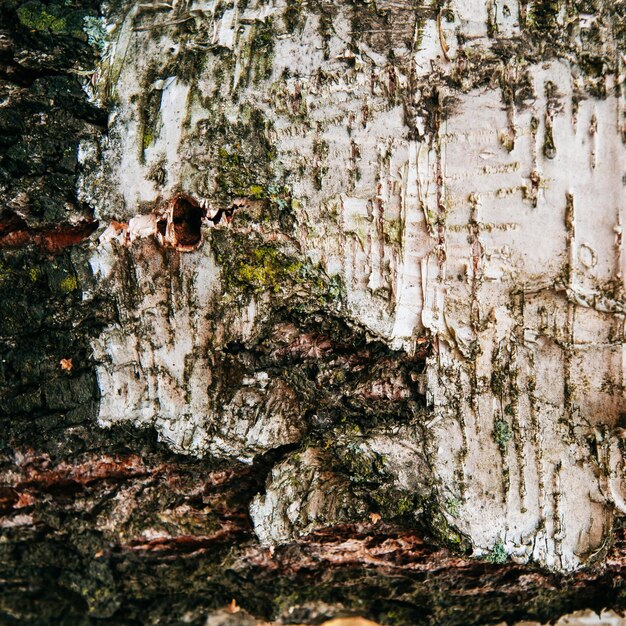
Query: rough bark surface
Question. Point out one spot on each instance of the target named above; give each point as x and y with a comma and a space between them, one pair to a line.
317, 306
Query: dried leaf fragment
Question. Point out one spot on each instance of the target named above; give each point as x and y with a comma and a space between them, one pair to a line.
232, 607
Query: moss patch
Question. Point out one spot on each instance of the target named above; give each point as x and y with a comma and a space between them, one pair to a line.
252, 265
58, 19
265, 269
37, 16
502, 434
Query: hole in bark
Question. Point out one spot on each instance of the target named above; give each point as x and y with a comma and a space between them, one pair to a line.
187, 220
227, 214
312, 371
162, 226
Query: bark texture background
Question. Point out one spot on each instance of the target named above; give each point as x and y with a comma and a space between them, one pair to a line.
311, 305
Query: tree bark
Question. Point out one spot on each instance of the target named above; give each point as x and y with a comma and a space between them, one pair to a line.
314, 306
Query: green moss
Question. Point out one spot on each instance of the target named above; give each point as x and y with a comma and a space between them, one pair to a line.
363, 466
228, 165
395, 504
564, 276
234, 176
502, 434
404, 505
369, 475
336, 290
264, 270
325, 29
256, 192
264, 36
443, 530
6, 273
498, 381
147, 138
254, 266
542, 16
36, 16
69, 284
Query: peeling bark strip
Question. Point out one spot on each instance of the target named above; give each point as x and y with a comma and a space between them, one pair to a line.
14, 233
354, 318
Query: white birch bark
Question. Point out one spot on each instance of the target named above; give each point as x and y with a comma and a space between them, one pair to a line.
465, 197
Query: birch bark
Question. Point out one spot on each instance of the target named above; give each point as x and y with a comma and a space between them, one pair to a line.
326, 316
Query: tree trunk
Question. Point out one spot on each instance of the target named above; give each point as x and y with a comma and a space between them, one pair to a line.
325, 318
